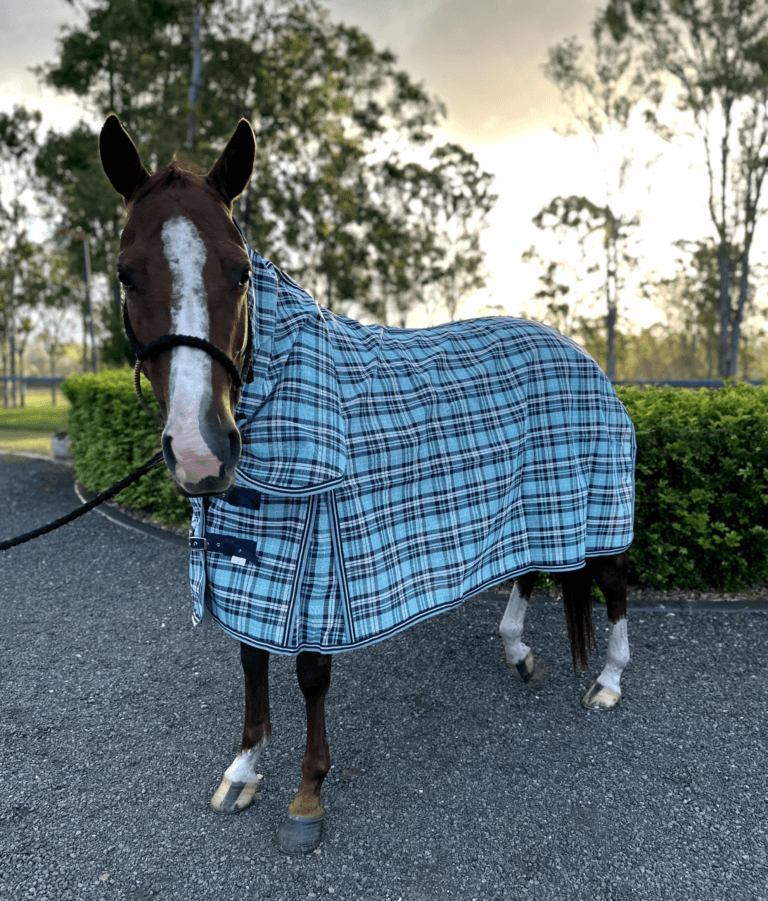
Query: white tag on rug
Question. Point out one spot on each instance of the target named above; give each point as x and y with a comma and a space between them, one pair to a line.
239, 560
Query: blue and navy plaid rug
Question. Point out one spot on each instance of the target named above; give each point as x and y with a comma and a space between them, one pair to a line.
389, 474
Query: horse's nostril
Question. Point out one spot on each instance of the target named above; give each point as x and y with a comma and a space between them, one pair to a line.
170, 459
235, 445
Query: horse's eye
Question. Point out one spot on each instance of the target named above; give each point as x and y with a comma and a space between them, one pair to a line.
125, 279
246, 274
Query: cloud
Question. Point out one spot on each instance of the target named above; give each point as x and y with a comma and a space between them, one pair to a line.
484, 58
28, 37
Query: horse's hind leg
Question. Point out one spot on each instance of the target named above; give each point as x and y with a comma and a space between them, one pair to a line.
302, 827
511, 628
241, 779
610, 573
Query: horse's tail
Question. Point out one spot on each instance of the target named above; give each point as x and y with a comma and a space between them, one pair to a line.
577, 602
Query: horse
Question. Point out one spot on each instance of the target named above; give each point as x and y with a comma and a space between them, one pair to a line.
320, 456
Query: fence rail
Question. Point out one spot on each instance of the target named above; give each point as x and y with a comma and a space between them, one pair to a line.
34, 379
686, 383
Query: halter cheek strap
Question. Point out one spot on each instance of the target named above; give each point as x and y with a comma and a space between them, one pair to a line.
164, 342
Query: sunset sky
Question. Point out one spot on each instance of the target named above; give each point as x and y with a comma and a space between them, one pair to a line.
483, 58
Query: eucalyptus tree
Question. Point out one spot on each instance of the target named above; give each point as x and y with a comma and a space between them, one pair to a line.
689, 302
604, 90
579, 217
69, 166
19, 143
429, 244
460, 199
555, 281
328, 109
713, 57
48, 300
57, 301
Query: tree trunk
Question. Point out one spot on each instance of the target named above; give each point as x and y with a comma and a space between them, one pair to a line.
22, 387
736, 325
196, 79
692, 359
87, 279
611, 302
11, 319
84, 355
5, 373
725, 310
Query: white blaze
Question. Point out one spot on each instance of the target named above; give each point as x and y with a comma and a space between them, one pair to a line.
189, 385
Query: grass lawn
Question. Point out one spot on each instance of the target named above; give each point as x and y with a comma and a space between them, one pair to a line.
29, 428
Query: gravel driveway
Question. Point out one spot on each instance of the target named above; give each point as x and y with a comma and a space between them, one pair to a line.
450, 779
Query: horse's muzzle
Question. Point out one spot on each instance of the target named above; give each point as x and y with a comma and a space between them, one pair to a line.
203, 471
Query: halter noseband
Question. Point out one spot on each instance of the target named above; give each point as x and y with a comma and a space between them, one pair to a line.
142, 351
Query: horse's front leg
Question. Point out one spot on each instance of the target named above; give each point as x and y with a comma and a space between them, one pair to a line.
518, 654
610, 573
302, 827
240, 781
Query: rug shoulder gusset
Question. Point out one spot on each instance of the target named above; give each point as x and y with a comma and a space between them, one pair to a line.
294, 440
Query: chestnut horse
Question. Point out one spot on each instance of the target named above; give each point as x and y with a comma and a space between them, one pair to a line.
185, 271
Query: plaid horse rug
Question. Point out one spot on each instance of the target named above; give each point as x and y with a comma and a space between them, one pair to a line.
389, 474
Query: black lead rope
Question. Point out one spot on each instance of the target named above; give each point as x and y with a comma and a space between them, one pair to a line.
99, 499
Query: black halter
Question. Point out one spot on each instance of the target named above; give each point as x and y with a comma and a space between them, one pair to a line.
164, 342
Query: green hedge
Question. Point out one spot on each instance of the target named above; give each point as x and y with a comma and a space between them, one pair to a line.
701, 515
701, 518
112, 435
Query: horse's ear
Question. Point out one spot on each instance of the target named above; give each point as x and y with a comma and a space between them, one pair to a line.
233, 169
120, 159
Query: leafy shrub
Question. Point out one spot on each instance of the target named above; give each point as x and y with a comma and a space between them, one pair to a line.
701, 516
112, 435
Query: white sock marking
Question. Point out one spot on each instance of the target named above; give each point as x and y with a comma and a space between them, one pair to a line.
243, 767
190, 378
511, 627
617, 657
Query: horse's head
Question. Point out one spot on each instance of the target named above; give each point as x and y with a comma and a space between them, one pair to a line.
185, 271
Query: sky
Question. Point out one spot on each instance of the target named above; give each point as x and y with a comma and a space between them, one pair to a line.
483, 58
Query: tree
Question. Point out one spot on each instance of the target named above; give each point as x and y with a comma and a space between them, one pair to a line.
603, 90
82, 202
580, 217
714, 56
690, 299
428, 243
28, 258
567, 312
554, 287
327, 109
461, 200
18, 145
57, 302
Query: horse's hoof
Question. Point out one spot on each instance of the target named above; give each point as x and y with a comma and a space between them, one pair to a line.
230, 797
600, 698
525, 667
300, 835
